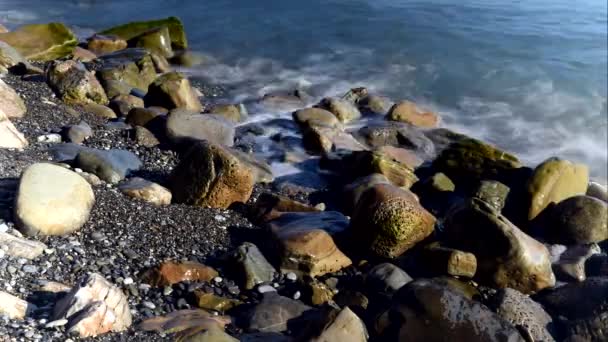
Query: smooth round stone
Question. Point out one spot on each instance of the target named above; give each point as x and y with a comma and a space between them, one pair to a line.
291, 276
266, 288
297, 295
218, 279
149, 305
128, 281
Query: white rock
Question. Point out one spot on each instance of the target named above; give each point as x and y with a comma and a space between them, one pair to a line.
52, 200
10, 137
93, 307
19, 247
14, 307
10, 102
52, 138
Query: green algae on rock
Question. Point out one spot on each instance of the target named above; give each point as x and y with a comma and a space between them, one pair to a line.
134, 29
42, 42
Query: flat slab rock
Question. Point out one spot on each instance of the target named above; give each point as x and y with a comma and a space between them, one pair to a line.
20, 248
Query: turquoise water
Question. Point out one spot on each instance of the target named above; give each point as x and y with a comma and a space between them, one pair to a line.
527, 75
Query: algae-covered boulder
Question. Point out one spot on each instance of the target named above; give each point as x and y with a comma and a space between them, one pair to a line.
367, 162
210, 175
131, 30
553, 181
156, 40
507, 257
42, 42
469, 159
74, 84
388, 221
132, 67
173, 90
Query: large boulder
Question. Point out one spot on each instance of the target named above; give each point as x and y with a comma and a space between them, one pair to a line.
131, 30
506, 256
232, 112
9, 57
407, 111
578, 220
111, 166
10, 102
173, 90
184, 125
426, 310
52, 200
93, 307
344, 110
10, 137
210, 175
388, 221
156, 40
553, 181
132, 68
469, 160
42, 42
74, 84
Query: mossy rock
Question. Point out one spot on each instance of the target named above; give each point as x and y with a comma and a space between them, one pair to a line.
157, 41
468, 160
42, 42
133, 67
136, 28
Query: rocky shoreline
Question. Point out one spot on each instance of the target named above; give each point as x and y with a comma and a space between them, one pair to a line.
138, 205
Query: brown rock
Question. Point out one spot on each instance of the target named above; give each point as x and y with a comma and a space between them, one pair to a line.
144, 137
169, 273
141, 116
10, 102
101, 45
443, 260
147, 191
309, 117
210, 301
186, 324
229, 111
173, 90
401, 155
346, 326
100, 110
83, 55
407, 111
270, 206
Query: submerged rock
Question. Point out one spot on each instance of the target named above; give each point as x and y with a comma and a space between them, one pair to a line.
389, 220
210, 175
42, 42
52, 200
94, 307
553, 181
506, 256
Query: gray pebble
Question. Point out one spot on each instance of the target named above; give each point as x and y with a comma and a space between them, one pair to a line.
266, 288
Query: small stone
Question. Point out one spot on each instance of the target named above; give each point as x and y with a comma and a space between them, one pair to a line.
218, 279
57, 323
128, 281
149, 305
266, 288
297, 295
291, 276
30, 269
147, 191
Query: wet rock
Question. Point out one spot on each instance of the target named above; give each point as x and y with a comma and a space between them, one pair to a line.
506, 256
598, 191
161, 64
129, 68
146, 191
345, 326
169, 273
186, 324
14, 307
9, 57
571, 263
266, 337
578, 220
439, 182
210, 175
310, 117
352, 192
101, 45
520, 310
173, 90
389, 220
442, 260
364, 163
188, 58
469, 160
406, 111
156, 40
210, 335
275, 314
234, 113
345, 111
396, 134
592, 328
401, 155
52, 200
375, 104
83, 55
123, 103
10, 102
251, 266
10, 137
94, 307
100, 110
262, 172
19, 247
386, 278
77, 134
184, 125
210, 301
145, 138
553, 181
283, 102
74, 84
270, 206
427, 311
320, 139
111, 166
41, 42
305, 243
176, 29
492, 192
577, 300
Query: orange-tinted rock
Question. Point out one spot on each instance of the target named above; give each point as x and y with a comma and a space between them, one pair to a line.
101, 45
169, 273
407, 111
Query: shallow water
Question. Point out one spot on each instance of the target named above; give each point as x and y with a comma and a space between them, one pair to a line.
529, 75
